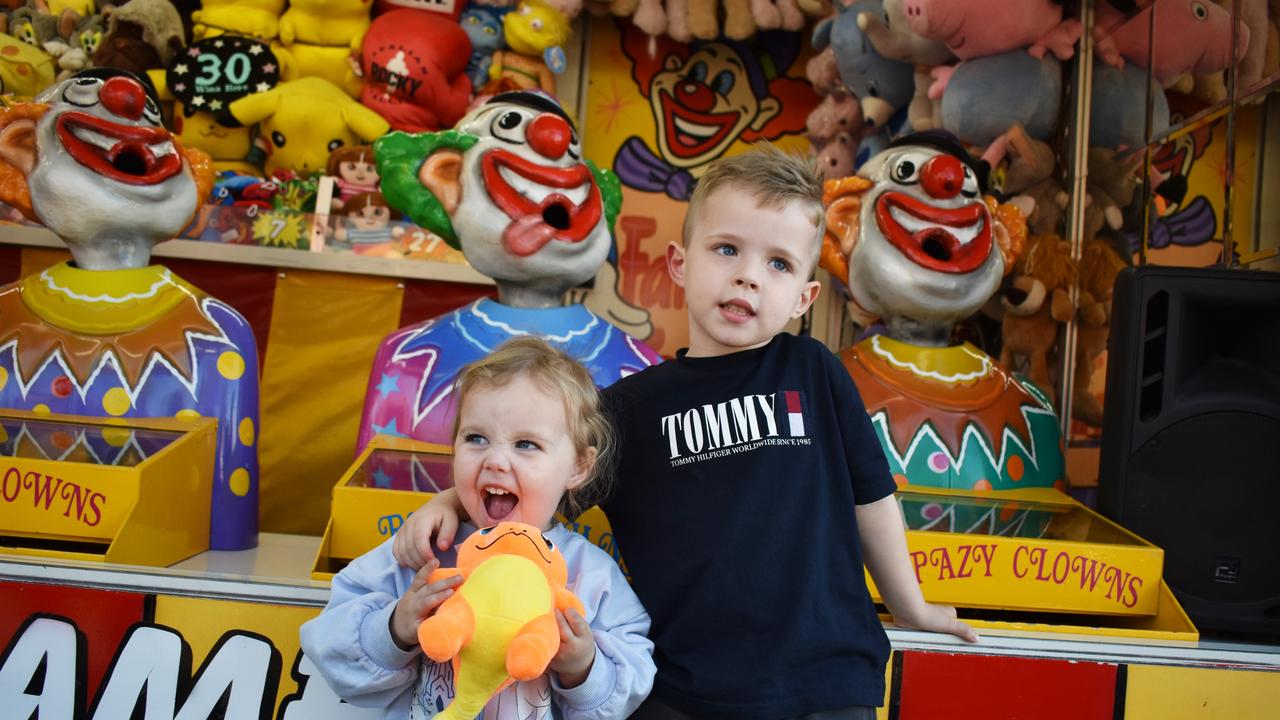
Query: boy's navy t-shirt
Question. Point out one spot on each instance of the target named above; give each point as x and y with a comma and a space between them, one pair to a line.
734, 512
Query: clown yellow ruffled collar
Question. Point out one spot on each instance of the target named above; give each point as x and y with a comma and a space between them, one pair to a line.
85, 315
958, 364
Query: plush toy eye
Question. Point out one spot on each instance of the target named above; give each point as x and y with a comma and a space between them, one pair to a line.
1199, 10
537, 25
83, 91
27, 34
334, 144
550, 545
277, 137
489, 29
486, 531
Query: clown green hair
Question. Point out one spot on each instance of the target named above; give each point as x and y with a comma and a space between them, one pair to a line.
400, 156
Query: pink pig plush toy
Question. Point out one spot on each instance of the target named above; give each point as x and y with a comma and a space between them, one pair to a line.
1191, 36
976, 28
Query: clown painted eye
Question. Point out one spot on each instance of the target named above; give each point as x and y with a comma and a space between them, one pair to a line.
1199, 10
277, 137
905, 171
510, 126
970, 187
334, 144
698, 73
83, 92
723, 83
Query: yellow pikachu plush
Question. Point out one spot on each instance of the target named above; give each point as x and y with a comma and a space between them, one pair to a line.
228, 146
302, 121
255, 18
336, 23
301, 60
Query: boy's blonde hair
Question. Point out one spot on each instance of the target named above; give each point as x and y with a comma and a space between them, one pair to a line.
560, 376
776, 178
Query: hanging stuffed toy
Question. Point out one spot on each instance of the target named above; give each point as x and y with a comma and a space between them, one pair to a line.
500, 625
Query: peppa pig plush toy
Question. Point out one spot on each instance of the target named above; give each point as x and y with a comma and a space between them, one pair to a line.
975, 28
414, 67
1191, 37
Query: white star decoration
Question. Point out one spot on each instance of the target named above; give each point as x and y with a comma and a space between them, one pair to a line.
198, 100
215, 105
180, 69
263, 87
218, 43
255, 50
180, 87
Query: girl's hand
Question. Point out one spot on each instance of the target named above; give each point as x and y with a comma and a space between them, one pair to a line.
418, 602
439, 518
939, 619
577, 649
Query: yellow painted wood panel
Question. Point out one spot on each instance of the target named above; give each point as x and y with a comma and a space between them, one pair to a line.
1181, 693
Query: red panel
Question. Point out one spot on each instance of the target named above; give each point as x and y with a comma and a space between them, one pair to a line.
103, 616
425, 299
10, 263
250, 289
958, 687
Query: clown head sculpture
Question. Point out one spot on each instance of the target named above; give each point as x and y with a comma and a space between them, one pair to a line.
510, 187
928, 252
102, 172
921, 247
109, 334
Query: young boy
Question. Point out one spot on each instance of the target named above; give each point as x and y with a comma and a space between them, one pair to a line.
740, 463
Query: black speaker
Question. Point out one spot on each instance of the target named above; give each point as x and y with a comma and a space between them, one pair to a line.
1191, 435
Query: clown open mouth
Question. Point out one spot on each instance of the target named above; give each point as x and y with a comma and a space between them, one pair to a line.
124, 153
950, 240
544, 203
691, 133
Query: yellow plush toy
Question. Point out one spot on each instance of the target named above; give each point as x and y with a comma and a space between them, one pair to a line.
24, 70
533, 27
302, 121
255, 18
228, 146
301, 60
318, 36
336, 23
500, 625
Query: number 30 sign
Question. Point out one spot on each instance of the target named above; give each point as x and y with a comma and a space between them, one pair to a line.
212, 73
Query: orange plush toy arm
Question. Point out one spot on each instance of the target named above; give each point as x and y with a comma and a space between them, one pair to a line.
565, 600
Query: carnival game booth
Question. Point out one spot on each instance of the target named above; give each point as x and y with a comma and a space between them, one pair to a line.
180, 436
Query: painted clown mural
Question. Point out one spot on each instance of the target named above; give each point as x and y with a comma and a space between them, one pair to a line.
921, 247
109, 334
659, 112
510, 187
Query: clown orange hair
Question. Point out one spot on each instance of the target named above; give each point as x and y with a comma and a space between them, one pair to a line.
843, 200
13, 182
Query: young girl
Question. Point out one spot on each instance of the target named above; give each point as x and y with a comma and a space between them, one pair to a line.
529, 439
